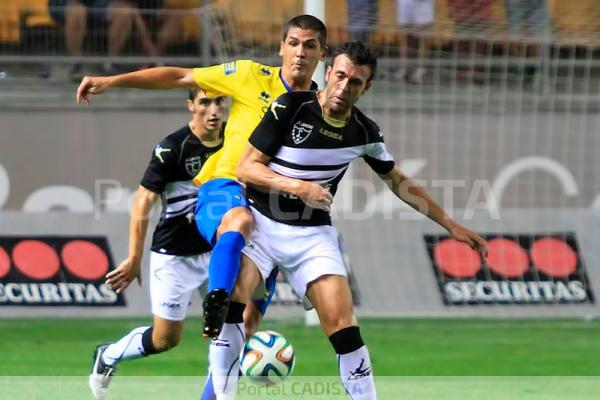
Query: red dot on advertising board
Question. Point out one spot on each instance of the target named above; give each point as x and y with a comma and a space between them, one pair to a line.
553, 257
85, 259
4, 263
35, 259
456, 259
507, 258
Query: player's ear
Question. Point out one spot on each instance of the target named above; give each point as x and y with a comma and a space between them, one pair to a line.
281, 44
190, 105
367, 86
324, 52
327, 72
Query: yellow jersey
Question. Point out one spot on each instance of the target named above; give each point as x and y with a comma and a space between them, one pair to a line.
252, 87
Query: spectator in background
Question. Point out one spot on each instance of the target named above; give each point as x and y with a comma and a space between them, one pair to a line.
472, 22
528, 25
415, 18
362, 17
179, 24
119, 15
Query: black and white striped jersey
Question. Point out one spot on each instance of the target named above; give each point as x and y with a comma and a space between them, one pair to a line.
303, 145
175, 161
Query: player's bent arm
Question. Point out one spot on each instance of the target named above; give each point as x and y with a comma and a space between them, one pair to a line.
253, 170
129, 269
151, 78
409, 191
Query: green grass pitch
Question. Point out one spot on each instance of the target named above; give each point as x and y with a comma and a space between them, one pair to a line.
411, 354
414, 347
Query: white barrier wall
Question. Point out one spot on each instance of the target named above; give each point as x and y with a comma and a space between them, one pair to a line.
492, 175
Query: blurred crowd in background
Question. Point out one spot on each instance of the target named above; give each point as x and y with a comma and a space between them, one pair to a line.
405, 29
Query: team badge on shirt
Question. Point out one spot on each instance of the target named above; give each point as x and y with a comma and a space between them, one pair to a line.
192, 165
301, 131
229, 68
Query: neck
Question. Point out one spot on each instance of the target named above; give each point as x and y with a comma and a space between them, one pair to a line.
206, 137
342, 117
295, 85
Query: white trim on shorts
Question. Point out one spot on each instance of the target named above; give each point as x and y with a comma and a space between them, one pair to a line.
173, 280
303, 253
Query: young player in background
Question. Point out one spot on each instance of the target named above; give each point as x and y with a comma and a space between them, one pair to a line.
179, 255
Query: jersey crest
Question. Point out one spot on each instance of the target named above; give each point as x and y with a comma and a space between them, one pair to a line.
192, 165
301, 131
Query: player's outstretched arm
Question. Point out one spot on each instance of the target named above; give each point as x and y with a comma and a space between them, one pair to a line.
129, 269
415, 195
151, 78
253, 170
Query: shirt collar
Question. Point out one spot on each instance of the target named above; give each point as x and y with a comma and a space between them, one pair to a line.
313, 85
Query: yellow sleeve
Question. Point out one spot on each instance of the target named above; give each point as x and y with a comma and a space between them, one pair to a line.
223, 79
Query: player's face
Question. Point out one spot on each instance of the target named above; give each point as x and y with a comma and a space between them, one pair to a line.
208, 112
301, 52
346, 82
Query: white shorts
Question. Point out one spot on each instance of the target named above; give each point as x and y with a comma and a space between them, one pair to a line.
415, 12
303, 253
173, 280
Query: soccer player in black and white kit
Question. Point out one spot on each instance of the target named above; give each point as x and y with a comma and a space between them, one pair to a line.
179, 255
296, 158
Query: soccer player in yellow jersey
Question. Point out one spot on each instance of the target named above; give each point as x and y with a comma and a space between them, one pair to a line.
222, 214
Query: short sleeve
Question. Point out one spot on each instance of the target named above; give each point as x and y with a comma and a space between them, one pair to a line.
377, 155
161, 167
223, 79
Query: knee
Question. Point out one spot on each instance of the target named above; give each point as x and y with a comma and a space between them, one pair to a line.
120, 12
337, 323
238, 219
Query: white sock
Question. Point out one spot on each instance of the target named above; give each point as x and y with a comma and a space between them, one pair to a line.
128, 348
356, 374
223, 355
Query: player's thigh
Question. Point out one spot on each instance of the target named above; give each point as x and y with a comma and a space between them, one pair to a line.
258, 260
218, 199
173, 280
331, 297
306, 254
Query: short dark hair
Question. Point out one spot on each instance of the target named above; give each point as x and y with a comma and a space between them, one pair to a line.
193, 92
359, 54
310, 22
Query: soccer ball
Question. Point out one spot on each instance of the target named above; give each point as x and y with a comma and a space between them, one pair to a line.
267, 357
